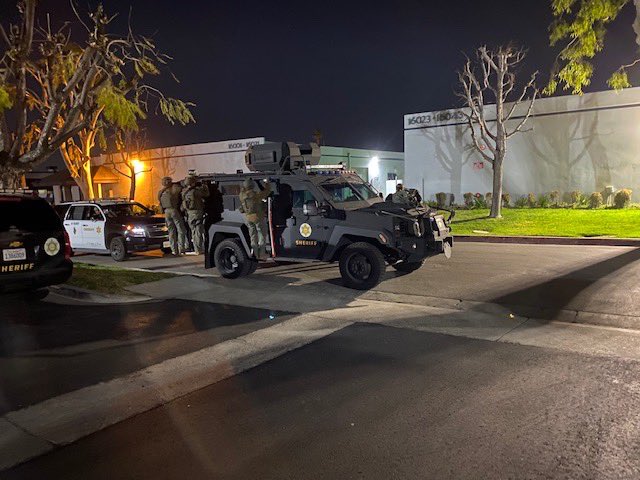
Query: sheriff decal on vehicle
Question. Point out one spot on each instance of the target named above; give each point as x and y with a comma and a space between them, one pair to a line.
305, 230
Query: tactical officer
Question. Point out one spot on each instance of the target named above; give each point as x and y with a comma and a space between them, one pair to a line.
252, 207
401, 196
193, 204
169, 199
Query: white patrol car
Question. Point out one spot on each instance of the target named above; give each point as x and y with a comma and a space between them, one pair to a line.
118, 227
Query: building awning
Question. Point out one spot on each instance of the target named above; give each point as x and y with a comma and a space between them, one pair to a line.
100, 174
62, 179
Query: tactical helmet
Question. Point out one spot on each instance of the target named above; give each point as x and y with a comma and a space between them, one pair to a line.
167, 181
248, 183
190, 181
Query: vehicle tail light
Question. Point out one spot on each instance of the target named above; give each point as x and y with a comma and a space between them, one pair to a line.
67, 246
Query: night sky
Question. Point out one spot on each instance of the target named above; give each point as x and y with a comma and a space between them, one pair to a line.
350, 68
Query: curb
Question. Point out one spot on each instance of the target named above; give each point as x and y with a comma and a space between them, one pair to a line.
88, 296
609, 242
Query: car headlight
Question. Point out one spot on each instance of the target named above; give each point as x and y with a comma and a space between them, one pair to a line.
136, 231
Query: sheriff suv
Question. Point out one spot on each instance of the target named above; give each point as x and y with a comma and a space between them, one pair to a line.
117, 227
34, 247
319, 213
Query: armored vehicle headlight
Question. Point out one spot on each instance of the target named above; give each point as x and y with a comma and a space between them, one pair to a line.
417, 230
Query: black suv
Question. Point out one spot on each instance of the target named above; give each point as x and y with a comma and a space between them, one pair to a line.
319, 213
118, 227
33, 242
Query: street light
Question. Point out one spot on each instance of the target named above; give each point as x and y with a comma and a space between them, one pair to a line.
374, 167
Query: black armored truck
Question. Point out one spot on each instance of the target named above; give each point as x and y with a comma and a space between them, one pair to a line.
318, 213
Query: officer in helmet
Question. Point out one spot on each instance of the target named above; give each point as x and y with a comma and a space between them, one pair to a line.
252, 205
193, 196
169, 199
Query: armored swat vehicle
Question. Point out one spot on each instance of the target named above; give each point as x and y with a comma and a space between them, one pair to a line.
318, 214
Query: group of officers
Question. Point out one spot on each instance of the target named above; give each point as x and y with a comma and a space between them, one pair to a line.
183, 206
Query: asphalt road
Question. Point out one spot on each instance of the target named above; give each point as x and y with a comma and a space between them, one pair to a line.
48, 349
379, 402
585, 278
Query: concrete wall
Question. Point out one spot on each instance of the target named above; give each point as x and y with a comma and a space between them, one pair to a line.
576, 143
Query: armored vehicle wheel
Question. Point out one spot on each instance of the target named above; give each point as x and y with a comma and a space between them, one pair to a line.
361, 266
253, 266
118, 249
231, 259
405, 267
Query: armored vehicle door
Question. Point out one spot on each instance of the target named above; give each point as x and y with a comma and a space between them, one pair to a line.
297, 222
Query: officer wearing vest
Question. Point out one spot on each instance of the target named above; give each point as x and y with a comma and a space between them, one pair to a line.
193, 204
169, 199
251, 204
401, 196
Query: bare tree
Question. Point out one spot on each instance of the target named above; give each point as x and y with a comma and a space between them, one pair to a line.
127, 161
59, 94
488, 83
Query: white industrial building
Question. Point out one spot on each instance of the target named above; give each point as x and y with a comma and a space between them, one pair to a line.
571, 143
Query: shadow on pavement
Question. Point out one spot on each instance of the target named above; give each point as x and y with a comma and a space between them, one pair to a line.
548, 298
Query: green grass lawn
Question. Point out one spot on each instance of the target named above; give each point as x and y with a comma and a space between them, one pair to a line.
555, 222
111, 280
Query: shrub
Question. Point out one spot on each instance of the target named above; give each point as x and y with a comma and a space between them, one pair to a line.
543, 201
566, 198
441, 198
479, 201
622, 198
554, 197
531, 200
469, 199
506, 199
577, 197
595, 200
521, 202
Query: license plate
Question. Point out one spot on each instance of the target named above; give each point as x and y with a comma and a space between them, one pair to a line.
13, 254
166, 244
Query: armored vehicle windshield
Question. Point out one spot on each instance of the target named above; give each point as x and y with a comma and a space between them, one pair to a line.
349, 192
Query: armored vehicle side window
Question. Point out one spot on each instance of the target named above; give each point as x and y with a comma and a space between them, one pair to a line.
230, 188
300, 197
230, 193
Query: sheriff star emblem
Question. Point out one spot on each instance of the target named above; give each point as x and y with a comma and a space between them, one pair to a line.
305, 230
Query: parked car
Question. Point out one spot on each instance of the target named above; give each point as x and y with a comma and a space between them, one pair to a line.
35, 248
117, 227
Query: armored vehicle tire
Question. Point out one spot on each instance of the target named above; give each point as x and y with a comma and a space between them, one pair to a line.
253, 266
118, 249
231, 259
405, 267
361, 266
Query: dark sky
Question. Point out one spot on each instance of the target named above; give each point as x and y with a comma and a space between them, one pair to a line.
350, 68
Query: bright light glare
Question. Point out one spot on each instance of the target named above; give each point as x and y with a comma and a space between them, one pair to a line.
138, 166
374, 167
